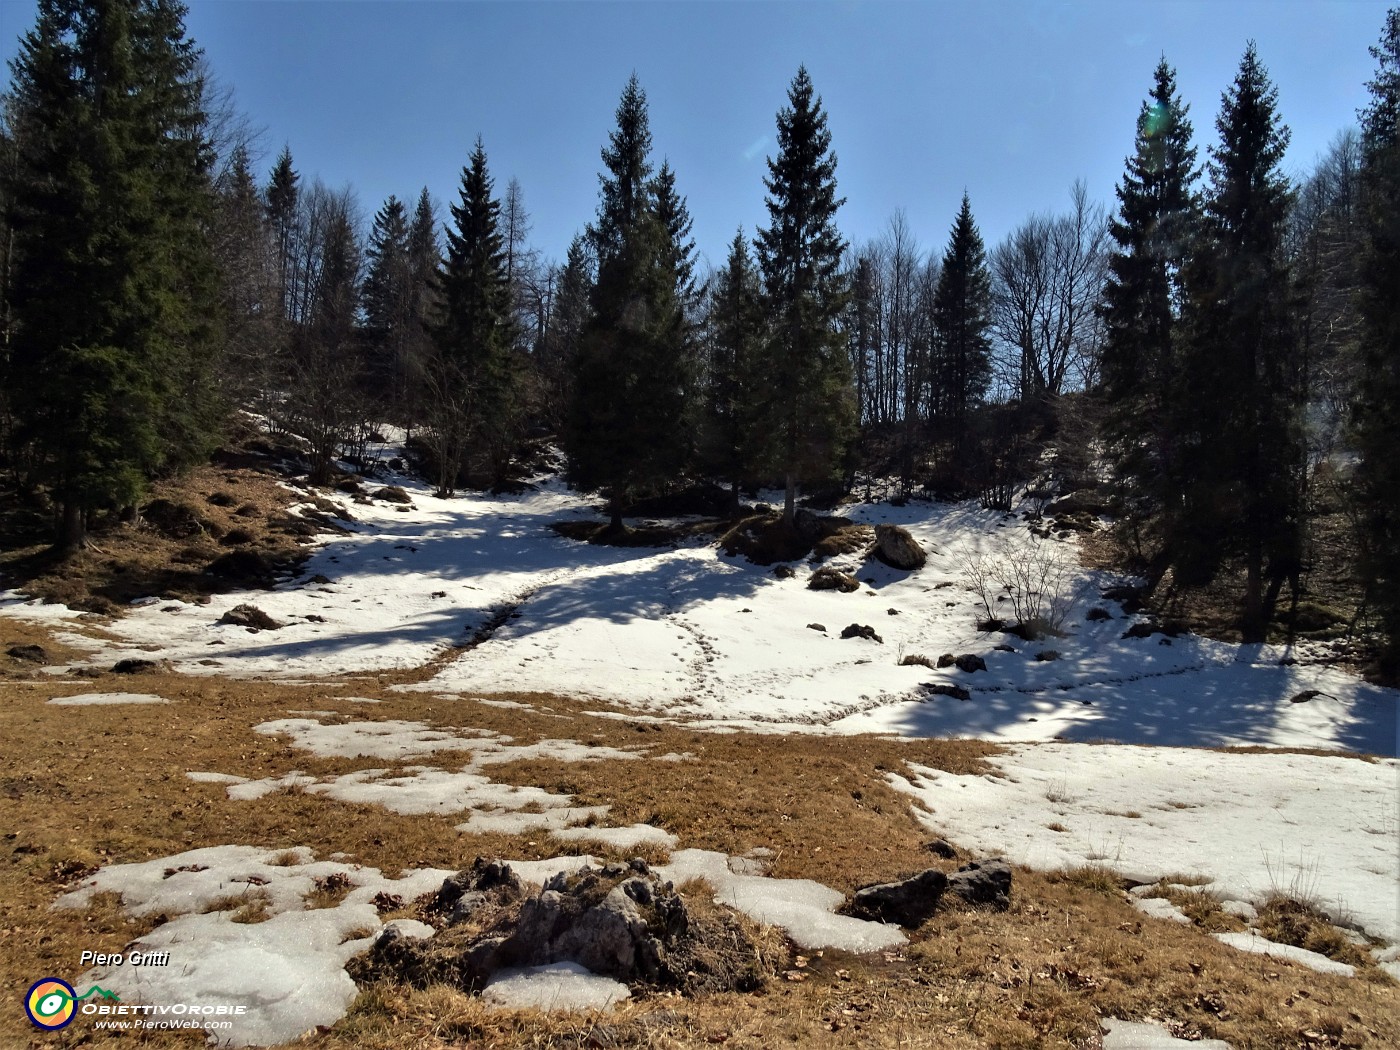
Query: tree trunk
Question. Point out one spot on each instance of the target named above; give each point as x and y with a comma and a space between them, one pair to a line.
1252, 623
790, 498
72, 533
615, 509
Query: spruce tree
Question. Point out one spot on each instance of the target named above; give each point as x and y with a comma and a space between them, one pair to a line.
1153, 233
1238, 397
283, 194
115, 290
811, 411
424, 260
733, 382
388, 297
628, 431
962, 304
568, 317
476, 370
1377, 406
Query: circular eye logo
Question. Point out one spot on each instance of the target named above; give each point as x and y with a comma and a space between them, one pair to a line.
50, 1003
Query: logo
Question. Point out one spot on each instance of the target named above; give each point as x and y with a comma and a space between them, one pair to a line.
51, 1003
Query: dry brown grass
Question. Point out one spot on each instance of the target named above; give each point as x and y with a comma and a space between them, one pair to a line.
81, 787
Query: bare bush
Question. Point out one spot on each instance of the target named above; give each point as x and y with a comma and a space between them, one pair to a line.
1038, 578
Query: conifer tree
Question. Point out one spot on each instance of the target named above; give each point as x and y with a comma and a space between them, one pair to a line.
328, 370
1238, 397
424, 260
812, 407
114, 290
388, 297
283, 196
962, 303
1153, 232
248, 297
628, 430
1377, 409
732, 394
475, 384
674, 215
569, 314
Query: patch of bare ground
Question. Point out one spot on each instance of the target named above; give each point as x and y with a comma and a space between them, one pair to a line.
1330, 605
224, 525
82, 787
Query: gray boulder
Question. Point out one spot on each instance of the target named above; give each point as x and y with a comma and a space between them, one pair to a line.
908, 903
970, 662
857, 630
983, 882
897, 549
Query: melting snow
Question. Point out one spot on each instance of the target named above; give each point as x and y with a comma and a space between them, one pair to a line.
1131, 1035
85, 699
1252, 942
556, 987
1252, 823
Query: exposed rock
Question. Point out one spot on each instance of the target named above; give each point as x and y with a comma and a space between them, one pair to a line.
1098, 613
784, 572
393, 494
941, 848
908, 903
618, 920
251, 617
1002, 649
970, 662
139, 666
1130, 598
828, 579
32, 653
946, 660
897, 548
858, 630
957, 692
1046, 655
983, 882
1148, 628
1081, 502
817, 627
1309, 694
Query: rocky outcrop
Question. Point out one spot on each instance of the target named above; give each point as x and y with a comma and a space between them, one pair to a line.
984, 882
897, 548
619, 920
860, 630
908, 903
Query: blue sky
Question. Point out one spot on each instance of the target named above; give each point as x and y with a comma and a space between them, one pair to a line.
1010, 100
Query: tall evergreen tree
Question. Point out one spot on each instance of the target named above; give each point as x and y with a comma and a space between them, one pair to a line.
283, 194
569, 314
1153, 233
114, 290
674, 216
248, 297
628, 427
812, 408
476, 366
732, 389
1238, 396
388, 297
424, 260
328, 365
962, 304
1378, 400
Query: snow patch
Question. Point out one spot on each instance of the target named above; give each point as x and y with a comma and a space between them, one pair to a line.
1252, 942
104, 699
556, 987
